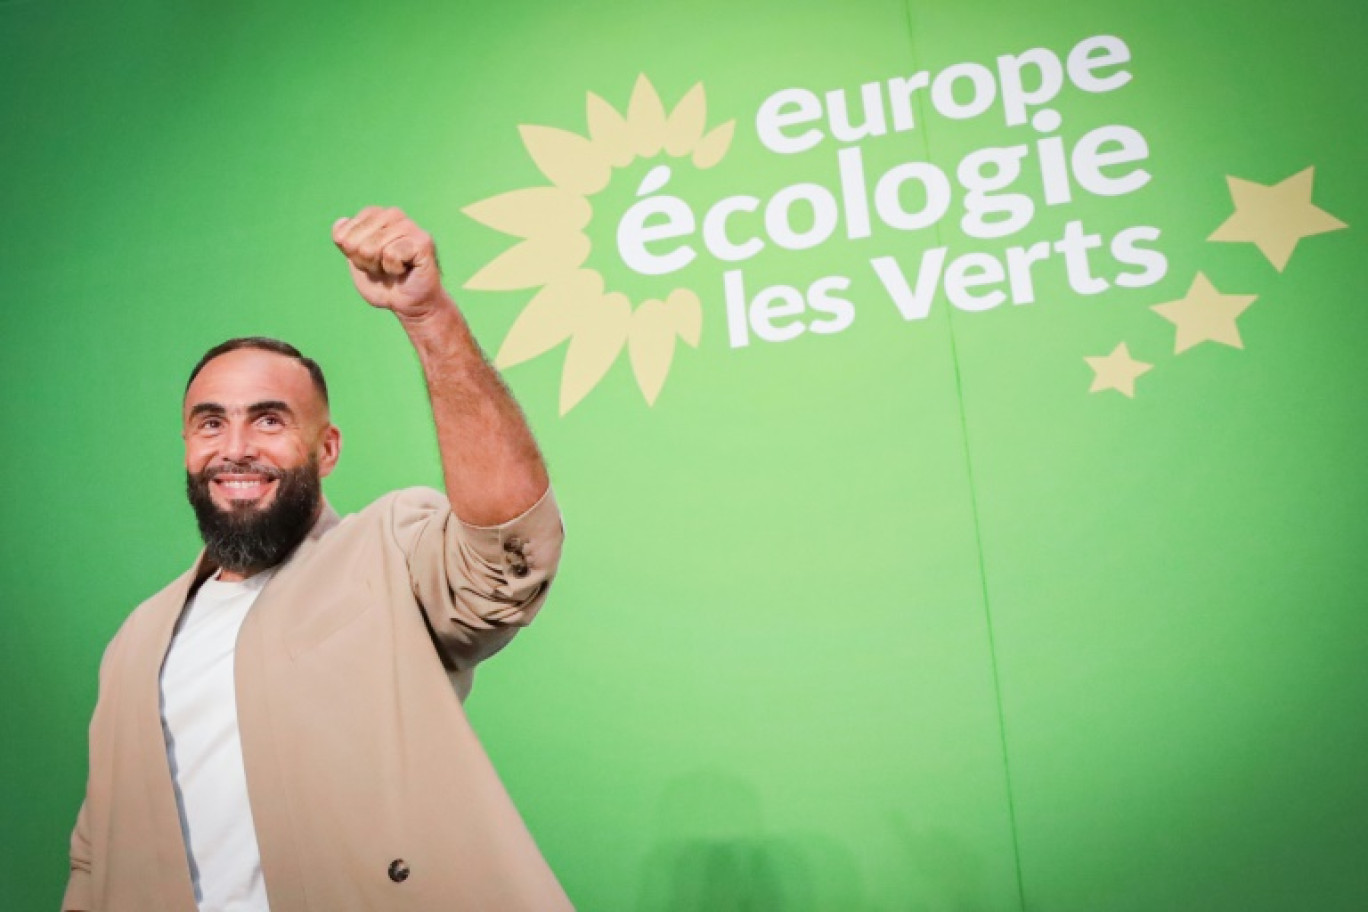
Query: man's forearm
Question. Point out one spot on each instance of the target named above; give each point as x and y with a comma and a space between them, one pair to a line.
490, 460
492, 467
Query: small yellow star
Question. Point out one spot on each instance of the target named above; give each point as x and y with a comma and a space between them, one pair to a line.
1274, 218
1205, 315
1116, 371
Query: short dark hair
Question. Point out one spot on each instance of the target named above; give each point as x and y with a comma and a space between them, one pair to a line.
264, 343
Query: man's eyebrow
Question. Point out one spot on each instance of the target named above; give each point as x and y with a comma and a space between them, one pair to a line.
256, 408
269, 405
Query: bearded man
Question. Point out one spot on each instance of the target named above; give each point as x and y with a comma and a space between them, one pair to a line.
281, 727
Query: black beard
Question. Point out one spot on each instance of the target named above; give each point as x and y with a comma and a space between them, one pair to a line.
246, 539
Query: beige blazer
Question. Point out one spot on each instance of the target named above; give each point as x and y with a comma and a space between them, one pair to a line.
368, 788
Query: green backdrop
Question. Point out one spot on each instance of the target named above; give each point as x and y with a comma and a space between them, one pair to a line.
898, 616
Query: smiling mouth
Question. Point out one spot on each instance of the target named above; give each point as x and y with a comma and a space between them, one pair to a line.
242, 487
242, 484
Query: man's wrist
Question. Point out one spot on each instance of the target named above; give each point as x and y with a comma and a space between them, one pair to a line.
421, 317
441, 336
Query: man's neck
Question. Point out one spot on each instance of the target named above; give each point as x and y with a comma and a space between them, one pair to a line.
235, 576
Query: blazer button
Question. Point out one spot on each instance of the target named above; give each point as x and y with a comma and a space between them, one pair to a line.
517, 566
398, 870
514, 545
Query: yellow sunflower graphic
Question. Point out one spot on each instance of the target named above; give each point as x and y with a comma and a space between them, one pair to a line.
572, 302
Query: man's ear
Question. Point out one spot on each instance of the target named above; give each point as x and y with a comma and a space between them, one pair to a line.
331, 450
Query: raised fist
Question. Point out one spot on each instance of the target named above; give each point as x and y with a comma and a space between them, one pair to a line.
393, 261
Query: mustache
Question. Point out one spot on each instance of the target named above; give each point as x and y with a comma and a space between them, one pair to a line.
240, 468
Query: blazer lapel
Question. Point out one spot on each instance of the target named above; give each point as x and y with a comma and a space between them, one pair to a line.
167, 837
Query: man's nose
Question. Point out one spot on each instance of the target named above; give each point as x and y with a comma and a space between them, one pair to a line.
239, 444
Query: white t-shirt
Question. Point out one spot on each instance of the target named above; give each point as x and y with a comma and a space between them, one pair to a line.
199, 723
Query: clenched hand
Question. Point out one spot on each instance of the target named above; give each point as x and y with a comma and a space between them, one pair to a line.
393, 262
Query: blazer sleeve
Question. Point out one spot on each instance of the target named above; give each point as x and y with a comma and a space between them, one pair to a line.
77, 897
477, 585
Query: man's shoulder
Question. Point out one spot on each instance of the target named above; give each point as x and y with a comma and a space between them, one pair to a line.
173, 593
414, 498
395, 516
152, 611
400, 504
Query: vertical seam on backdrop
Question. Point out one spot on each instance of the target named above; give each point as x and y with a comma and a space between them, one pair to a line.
974, 511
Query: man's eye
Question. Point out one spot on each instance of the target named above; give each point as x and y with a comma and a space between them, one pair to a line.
270, 421
211, 424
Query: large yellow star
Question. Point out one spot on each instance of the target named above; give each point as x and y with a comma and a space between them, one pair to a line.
1205, 315
1275, 218
1116, 371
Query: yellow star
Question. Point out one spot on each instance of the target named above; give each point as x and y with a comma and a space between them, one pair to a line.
1116, 371
1275, 218
1205, 315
